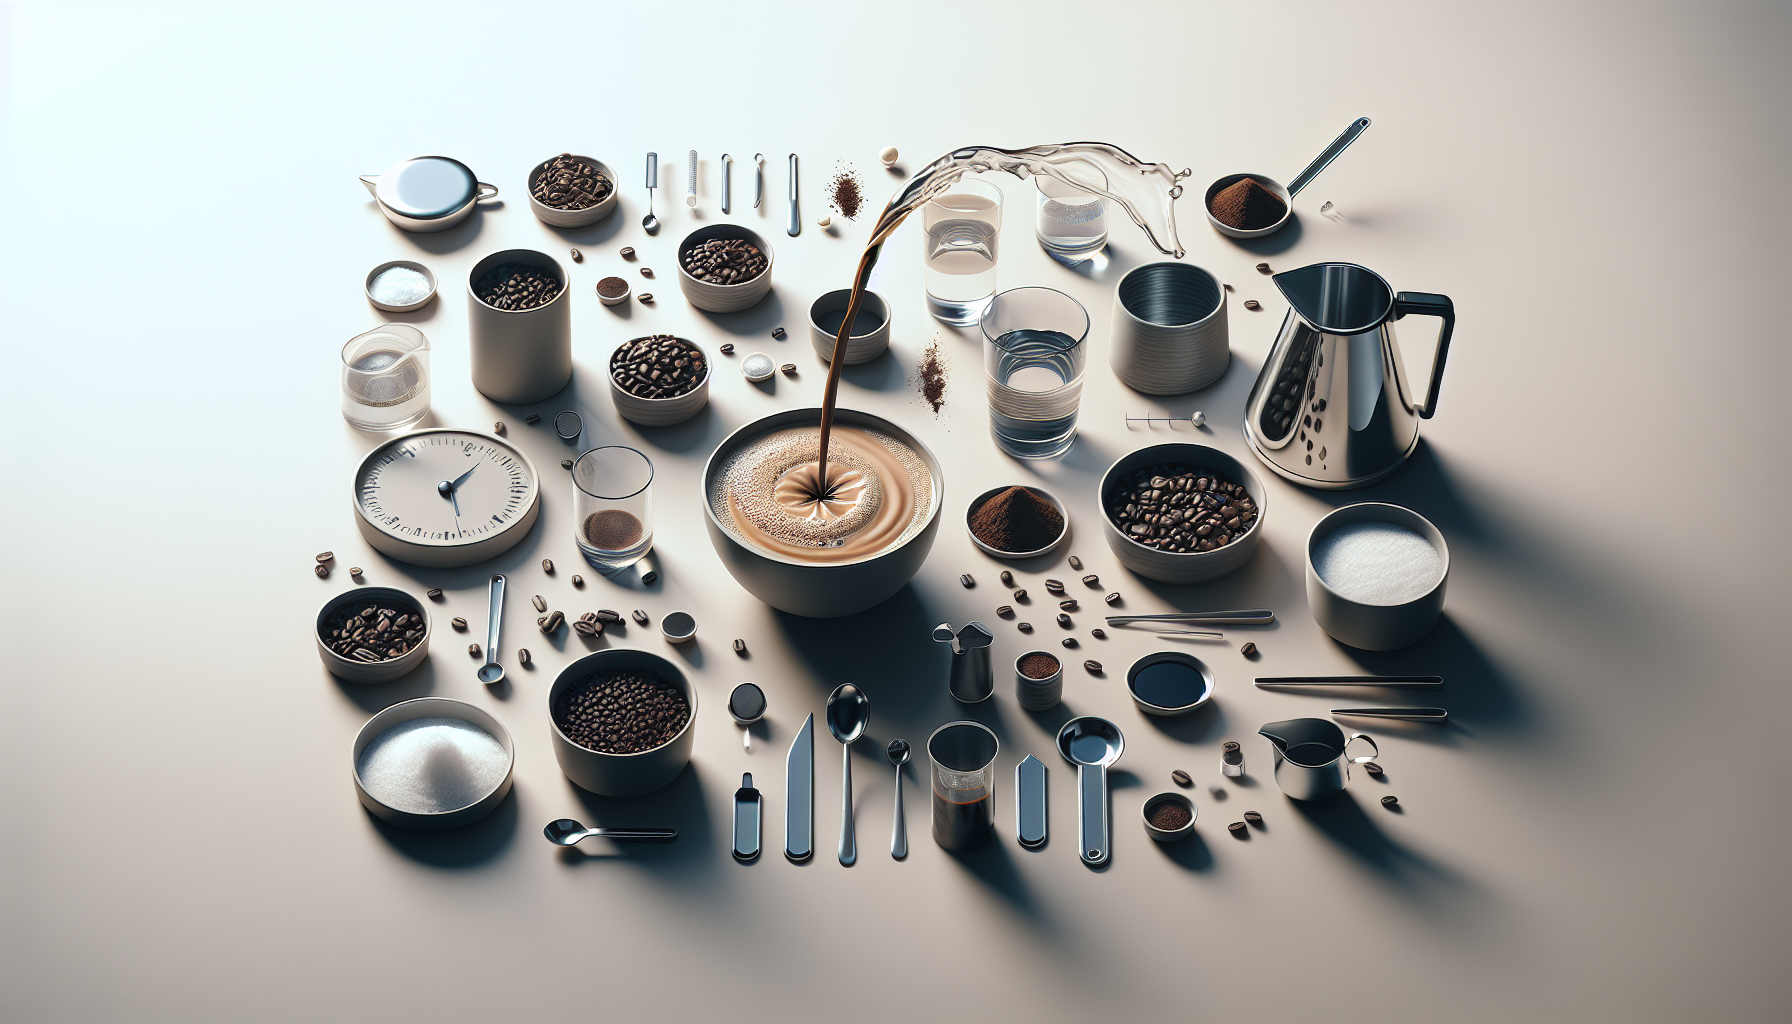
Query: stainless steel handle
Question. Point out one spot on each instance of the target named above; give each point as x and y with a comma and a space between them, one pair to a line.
1237, 617
849, 847
1401, 714
1391, 682
758, 179
727, 181
494, 618
796, 216
899, 830
690, 194
653, 170
638, 834
1092, 809
1320, 162
487, 191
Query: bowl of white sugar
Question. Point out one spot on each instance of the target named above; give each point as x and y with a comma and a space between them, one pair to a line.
432, 763
1376, 575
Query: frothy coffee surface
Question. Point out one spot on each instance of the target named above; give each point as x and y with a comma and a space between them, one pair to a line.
769, 494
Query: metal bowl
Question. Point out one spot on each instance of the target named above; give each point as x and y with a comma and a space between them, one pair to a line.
860, 348
432, 707
1267, 182
995, 552
575, 218
1375, 627
367, 286
1168, 835
1182, 659
663, 412
370, 671
1194, 566
623, 774
725, 298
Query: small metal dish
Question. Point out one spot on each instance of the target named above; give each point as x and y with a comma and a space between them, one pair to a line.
1267, 182
1188, 660
977, 503
1168, 835
367, 286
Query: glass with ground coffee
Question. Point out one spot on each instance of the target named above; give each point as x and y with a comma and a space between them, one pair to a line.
613, 507
964, 778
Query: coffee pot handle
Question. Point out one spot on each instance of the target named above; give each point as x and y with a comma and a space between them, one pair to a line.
1427, 304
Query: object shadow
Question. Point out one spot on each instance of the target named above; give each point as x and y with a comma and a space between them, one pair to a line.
460, 848
993, 865
1270, 244
680, 804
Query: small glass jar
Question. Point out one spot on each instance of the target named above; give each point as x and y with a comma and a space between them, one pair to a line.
385, 378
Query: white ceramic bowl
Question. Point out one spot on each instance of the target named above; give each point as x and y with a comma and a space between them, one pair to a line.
1262, 179
370, 671
1196, 566
995, 552
367, 286
432, 707
662, 412
623, 774
860, 348
575, 218
1375, 627
1182, 659
724, 298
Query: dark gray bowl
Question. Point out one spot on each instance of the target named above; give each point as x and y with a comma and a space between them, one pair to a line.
623, 774
1194, 566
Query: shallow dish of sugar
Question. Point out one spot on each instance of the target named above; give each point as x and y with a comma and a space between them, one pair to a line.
432, 764
1376, 575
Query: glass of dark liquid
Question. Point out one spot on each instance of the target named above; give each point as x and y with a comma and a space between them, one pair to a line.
964, 779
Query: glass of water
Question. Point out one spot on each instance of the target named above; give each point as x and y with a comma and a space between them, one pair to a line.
963, 227
1033, 356
1072, 224
613, 507
385, 378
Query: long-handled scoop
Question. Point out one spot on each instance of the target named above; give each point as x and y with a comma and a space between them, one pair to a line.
849, 712
1093, 745
1286, 195
491, 673
567, 832
650, 222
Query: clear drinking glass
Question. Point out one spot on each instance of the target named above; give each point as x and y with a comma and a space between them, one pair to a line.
613, 506
963, 228
1033, 357
385, 378
963, 755
1072, 224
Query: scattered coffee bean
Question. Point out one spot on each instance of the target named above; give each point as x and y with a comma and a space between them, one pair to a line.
1007, 578
639, 616
1070, 641
628, 252
1248, 650
577, 256
1092, 580
547, 566
1098, 634
540, 605
1055, 586
1236, 828
377, 632
646, 271
460, 624
1005, 611
1068, 604
740, 647
523, 657
621, 711
531, 419
1372, 768
1262, 268
1064, 620
1389, 801
778, 332
1024, 627
435, 593
1020, 596
565, 463
724, 261
650, 577
553, 621
646, 297
1254, 818
658, 366
967, 581
1181, 778
1113, 598
356, 571
1093, 666
608, 617
588, 628
517, 286
473, 650
1252, 304
326, 556
789, 369
498, 428
1076, 563
1180, 508
727, 348
577, 580
321, 569
568, 183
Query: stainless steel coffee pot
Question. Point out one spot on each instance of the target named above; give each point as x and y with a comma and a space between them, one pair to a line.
1310, 758
1332, 407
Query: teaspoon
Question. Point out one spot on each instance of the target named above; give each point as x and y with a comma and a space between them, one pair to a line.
567, 832
650, 222
849, 711
491, 673
899, 752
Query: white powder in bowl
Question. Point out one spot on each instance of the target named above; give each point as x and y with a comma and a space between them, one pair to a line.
1377, 563
429, 765
399, 286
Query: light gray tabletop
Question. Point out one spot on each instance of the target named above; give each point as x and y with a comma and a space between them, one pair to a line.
1598, 835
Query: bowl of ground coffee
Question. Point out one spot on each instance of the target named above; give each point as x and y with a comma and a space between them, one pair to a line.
623, 722
571, 191
1247, 205
723, 268
372, 634
1169, 817
659, 380
1182, 513
1017, 522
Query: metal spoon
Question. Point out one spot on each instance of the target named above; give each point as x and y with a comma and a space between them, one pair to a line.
567, 832
650, 222
899, 752
491, 673
849, 712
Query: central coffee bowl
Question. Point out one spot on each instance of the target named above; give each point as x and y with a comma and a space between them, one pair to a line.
812, 589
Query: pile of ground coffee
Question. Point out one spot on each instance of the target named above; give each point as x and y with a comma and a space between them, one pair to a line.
1170, 816
1038, 665
845, 191
931, 376
621, 711
1017, 520
1247, 205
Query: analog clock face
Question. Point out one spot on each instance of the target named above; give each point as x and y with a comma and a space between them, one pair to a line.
445, 490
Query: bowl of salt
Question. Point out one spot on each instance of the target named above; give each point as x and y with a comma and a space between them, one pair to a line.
1376, 574
400, 286
432, 764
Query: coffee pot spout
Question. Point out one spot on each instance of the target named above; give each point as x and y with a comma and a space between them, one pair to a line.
372, 181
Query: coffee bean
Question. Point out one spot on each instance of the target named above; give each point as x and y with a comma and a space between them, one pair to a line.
356, 572
460, 624
658, 366
565, 463
498, 428
740, 647
1070, 641
778, 332
1055, 586
1236, 828
577, 580
1113, 598
967, 581
639, 616
1252, 304
1098, 634
473, 650
628, 252
1248, 650
531, 419
553, 621
621, 711
364, 654
547, 566
789, 369
646, 271
321, 569
1389, 801
517, 286
522, 656
1068, 604
1254, 818
608, 617
724, 261
646, 297
1021, 596
1092, 580
540, 605
1076, 563
326, 556
1179, 508
1007, 578
435, 593
1064, 620
1093, 666
649, 578
1181, 778
1372, 768
588, 628
1024, 627
1005, 611
1262, 268
577, 256
727, 348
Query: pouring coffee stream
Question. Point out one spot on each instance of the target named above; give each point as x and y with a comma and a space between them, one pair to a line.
1147, 192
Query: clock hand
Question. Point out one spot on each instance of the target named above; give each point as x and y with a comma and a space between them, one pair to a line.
446, 489
463, 477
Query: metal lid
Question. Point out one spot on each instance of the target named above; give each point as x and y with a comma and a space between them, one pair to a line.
427, 187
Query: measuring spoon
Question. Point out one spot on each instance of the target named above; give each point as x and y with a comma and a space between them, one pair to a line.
491, 673
1092, 744
1301, 180
650, 222
567, 832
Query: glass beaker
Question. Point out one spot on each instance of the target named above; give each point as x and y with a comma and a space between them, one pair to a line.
1072, 224
963, 228
1033, 356
385, 378
613, 507
963, 755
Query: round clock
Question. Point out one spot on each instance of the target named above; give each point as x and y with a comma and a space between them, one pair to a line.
444, 497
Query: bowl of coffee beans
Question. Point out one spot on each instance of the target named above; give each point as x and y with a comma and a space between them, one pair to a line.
623, 721
372, 634
724, 267
571, 191
659, 380
1181, 513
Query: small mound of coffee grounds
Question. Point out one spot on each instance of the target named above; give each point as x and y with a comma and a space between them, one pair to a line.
845, 191
1038, 665
1017, 520
610, 287
1247, 205
931, 376
621, 711
1170, 816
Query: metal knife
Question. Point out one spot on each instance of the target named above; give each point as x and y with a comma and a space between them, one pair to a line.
1404, 714
799, 793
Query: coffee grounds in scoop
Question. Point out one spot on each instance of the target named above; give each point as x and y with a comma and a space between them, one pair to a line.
1017, 520
621, 711
1247, 205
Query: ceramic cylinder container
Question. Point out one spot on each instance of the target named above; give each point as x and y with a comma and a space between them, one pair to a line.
520, 356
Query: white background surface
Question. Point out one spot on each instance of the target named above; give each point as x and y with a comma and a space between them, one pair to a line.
1599, 836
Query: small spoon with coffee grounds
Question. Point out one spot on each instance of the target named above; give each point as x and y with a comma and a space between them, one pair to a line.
567, 832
